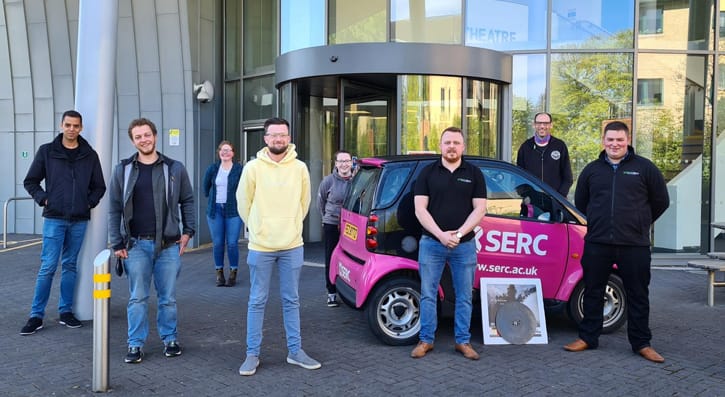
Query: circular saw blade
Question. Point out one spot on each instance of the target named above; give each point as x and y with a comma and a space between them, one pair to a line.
515, 323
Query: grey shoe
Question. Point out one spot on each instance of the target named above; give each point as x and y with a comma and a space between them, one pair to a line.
249, 366
303, 360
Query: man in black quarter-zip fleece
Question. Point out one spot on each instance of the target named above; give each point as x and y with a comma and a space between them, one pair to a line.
545, 156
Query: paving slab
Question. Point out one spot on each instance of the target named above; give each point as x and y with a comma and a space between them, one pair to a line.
58, 361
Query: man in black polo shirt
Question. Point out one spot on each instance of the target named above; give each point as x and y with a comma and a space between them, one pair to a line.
450, 200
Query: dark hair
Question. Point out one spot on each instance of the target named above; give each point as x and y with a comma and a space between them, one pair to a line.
453, 129
73, 114
275, 121
341, 152
546, 113
616, 126
139, 122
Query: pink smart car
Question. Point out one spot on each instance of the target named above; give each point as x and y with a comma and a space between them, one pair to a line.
529, 231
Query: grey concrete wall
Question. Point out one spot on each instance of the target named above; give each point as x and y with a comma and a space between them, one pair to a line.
164, 47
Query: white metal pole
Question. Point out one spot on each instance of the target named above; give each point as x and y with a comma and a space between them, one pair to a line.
101, 300
94, 99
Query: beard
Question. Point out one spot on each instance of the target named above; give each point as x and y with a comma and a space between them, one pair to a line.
278, 150
147, 150
451, 157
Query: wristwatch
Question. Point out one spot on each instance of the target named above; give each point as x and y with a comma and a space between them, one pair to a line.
459, 234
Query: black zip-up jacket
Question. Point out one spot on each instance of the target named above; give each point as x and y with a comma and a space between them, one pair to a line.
621, 204
550, 163
173, 202
72, 187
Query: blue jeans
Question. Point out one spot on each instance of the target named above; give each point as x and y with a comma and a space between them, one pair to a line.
224, 230
141, 265
432, 258
261, 264
62, 240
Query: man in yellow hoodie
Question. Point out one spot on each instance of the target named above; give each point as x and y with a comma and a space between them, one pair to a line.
273, 199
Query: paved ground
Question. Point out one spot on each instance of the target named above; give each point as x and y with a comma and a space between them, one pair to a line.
57, 361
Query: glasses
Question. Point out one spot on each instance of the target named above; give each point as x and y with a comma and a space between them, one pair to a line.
275, 136
542, 122
343, 161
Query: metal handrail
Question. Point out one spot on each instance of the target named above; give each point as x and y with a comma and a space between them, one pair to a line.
5, 218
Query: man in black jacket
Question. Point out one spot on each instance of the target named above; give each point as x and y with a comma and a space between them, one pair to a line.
622, 194
73, 185
545, 156
150, 222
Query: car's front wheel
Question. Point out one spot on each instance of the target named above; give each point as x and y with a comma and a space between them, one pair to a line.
615, 304
393, 311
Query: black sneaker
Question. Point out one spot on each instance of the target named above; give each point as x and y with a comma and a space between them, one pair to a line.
33, 324
134, 355
172, 349
332, 300
69, 320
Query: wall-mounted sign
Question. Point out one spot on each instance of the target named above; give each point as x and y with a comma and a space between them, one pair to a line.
174, 135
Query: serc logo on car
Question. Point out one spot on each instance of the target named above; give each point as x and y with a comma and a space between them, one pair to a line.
510, 242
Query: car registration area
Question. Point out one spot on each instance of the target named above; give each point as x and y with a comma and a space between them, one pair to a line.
350, 231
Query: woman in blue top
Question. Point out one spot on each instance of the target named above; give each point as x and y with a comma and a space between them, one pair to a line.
220, 186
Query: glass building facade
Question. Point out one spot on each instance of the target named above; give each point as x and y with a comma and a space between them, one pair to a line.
654, 64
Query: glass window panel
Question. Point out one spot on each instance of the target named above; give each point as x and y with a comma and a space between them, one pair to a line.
232, 39
232, 110
302, 24
506, 25
365, 121
426, 21
592, 24
586, 91
424, 115
259, 99
674, 137
529, 92
355, 21
330, 140
651, 18
260, 35
676, 25
649, 92
482, 117
285, 102
718, 186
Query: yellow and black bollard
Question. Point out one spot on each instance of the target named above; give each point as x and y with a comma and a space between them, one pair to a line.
101, 300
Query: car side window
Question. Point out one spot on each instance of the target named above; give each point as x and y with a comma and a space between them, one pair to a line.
391, 183
513, 196
362, 188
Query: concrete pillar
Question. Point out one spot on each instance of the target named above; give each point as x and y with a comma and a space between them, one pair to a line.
94, 99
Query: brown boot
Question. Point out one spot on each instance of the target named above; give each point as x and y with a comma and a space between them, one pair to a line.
232, 278
220, 278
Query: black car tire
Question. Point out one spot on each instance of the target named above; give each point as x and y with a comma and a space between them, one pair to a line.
393, 311
615, 304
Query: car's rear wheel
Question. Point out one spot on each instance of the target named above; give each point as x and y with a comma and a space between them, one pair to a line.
615, 304
393, 311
